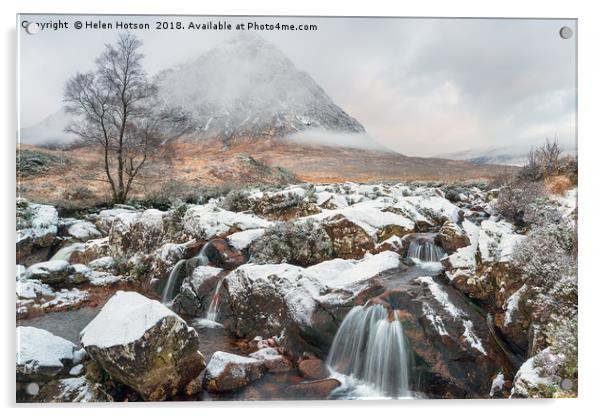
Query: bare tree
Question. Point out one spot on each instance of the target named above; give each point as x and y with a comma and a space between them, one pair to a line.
121, 112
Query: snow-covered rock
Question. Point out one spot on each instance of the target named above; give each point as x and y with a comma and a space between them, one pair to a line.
51, 272
41, 355
536, 376
143, 344
209, 221
227, 371
137, 232
272, 360
83, 230
37, 226
103, 264
73, 390
451, 237
243, 239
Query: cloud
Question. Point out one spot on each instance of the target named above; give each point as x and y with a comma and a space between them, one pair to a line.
419, 86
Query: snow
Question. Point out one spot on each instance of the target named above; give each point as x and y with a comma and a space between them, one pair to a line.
528, 376
202, 273
244, 239
76, 370
100, 278
436, 207
103, 263
368, 215
66, 297
46, 268
497, 384
83, 230
124, 319
207, 221
31, 289
464, 257
512, 304
220, 360
39, 348
443, 299
497, 241
20, 271
362, 270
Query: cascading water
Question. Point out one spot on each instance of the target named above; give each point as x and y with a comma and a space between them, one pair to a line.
371, 348
424, 248
214, 305
183, 266
168, 292
65, 252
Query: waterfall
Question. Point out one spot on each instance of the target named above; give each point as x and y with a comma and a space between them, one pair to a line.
425, 249
214, 305
168, 292
371, 348
183, 266
65, 252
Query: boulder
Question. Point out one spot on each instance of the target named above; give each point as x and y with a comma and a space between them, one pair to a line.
143, 344
272, 360
349, 240
104, 219
37, 226
103, 264
208, 221
313, 368
227, 371
73, 390
457, 352
451, 237
197, 291
50, 272
536, 377
79, 230
79, 274
133, 233
92, 249
42, 355
316, 390
221, 255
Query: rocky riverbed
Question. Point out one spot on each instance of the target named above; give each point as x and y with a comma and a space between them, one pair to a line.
303, 292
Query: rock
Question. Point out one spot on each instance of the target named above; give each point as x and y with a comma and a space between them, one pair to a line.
103, 264
453, 341
221, 255
272, 360
302, 305
349, 240
313, 368
451, 237
41, 355
197, 291
536, 378
283, 206
104, 219
144, 345
92, 249
79, 274
242, 240
227, 371
37, 226
316, 390
50, 272
73, 390
79, 229
205, 222
134, 233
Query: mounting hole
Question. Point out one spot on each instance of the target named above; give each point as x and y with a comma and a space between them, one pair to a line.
566, 32
32, 28
32, 389
566, 384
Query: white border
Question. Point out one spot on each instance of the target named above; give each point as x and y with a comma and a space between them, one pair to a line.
590, 205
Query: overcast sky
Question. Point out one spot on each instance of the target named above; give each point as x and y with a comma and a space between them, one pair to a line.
419, 86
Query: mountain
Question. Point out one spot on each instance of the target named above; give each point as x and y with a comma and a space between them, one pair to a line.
49, 132
509, 155
247, 88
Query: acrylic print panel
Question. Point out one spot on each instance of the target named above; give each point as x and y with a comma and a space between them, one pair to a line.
274, 208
